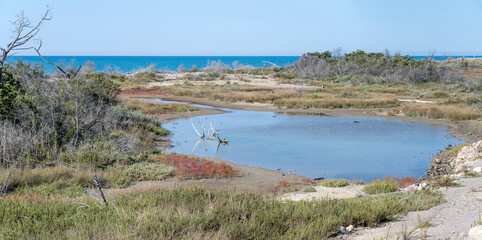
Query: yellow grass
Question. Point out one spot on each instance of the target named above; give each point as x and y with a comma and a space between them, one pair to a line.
451, 111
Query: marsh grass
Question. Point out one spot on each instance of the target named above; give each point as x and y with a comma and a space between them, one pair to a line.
450, 111
151, 108
185, 213
379, 187
446, 181
335, 183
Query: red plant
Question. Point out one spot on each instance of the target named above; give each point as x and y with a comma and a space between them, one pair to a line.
158, 111
401, 182
309, 181
141, 91
196, 167
283, 184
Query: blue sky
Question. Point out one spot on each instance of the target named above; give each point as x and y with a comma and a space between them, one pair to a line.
251, 27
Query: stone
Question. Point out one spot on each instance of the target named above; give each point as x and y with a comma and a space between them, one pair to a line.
350, 228
342, 230
477, 170
475, 232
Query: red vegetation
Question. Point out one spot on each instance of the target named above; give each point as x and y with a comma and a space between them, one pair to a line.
146, 91
401, 182
196, 167
158, 111
308, 181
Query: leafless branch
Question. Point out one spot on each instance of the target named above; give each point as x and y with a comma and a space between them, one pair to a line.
67, 75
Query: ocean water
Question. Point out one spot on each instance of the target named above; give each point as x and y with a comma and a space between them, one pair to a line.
162, 63
171, 63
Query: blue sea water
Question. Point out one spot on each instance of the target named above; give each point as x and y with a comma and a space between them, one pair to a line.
162, 63
171, 63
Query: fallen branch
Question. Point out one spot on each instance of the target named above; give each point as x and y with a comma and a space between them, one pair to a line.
97, 184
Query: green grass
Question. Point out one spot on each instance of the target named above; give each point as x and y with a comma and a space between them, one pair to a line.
335, 183
446, 181
200, 214
143, 171
379, 187
309, 189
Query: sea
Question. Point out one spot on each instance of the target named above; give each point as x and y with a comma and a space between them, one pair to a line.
127, 64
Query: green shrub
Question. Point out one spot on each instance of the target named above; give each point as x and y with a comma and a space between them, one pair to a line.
9, 87
335, 183
309, 189
160, 131
446, 181
379, 187
149, 171
98, 153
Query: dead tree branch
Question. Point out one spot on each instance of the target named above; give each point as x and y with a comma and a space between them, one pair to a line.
23, 31
67, 74
99, 187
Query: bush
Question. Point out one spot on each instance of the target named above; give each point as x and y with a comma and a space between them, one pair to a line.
160, 131
378, 187
309, 189
335, 183
9, 87
149, 171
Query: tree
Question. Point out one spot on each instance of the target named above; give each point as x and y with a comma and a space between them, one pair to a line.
23, 32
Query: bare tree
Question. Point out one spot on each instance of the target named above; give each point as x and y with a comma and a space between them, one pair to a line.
23, 31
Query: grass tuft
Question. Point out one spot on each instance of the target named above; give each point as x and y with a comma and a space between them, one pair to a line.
335, 183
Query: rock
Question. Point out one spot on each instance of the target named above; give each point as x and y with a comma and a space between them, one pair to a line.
477, 170
422, 185
350, 228
475, 232
342, 230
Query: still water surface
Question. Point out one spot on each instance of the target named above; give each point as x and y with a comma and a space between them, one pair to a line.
315, 146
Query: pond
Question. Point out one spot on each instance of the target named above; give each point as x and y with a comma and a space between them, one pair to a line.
315, 146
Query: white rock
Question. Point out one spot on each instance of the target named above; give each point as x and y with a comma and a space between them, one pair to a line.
350, 228
477, 169
476, 233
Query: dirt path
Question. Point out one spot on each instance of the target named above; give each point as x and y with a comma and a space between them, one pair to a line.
451, 220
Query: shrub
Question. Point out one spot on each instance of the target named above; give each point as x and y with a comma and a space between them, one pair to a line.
160, 131
335, 183
379, 187
309, 189
148, 171
9, 87
446, 181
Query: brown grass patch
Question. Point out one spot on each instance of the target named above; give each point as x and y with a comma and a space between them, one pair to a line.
450, 111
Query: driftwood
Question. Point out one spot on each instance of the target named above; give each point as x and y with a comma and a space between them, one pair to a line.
99, 187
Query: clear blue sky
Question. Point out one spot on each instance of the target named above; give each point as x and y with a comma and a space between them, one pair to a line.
251, 27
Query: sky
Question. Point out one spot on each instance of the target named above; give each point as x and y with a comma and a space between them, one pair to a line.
250, 27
